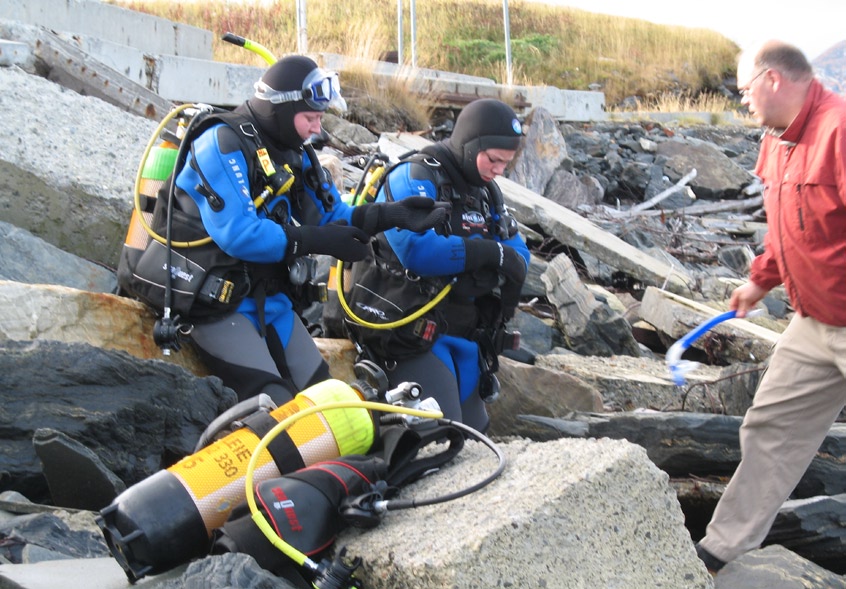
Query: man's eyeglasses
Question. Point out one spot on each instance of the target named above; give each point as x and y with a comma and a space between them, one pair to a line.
745, 91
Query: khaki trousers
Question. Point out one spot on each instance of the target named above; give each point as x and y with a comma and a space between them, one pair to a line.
800, 396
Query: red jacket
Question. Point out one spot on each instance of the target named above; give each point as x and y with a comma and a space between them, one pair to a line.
804, 176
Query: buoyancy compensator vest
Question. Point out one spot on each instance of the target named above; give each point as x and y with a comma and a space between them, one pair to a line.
380, 290
166, 228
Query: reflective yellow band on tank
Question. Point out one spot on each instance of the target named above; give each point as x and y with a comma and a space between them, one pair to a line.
136, 236
351, 427
219, 463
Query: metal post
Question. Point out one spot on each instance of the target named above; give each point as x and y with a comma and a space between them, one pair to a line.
302, 32
413, 17
399, 32
507, 42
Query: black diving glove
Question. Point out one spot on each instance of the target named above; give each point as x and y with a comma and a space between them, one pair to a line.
338, 240
509, 298
490, 254
415, 213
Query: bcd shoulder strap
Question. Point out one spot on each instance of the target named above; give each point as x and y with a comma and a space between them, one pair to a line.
441, 178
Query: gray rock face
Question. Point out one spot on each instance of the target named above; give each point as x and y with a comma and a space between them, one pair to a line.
541, 154
590, 327
137, 416
54, 181
48, 533
775, 566
227, 570
26, 258
718, 177
76, 476
537, 510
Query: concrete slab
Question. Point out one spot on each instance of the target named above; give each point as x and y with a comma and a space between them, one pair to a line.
76, 574
333, 61
175, 61
112, 23
182, 79
14, 53
568, 105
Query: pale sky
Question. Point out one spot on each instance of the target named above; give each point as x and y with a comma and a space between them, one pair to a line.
812, 25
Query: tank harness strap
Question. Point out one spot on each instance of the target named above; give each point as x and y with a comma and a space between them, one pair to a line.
322, 182
401, 446
260, 295
282, 449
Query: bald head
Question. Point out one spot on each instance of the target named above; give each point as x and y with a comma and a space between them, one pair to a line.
774, 78
779, 55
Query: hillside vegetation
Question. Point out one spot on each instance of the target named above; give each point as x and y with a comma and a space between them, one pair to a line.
555, 46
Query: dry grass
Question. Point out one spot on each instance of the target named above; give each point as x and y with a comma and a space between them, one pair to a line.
556, 46
684, 102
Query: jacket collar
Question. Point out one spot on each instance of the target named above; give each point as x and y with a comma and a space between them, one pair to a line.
795, 129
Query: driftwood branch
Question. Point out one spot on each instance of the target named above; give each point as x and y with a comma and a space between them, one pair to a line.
662, 195
710, 207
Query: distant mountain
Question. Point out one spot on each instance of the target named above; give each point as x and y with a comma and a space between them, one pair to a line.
831, 67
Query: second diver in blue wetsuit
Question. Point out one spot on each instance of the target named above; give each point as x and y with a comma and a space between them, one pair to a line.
452, 350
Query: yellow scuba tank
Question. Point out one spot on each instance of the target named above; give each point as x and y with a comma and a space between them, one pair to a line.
167, 519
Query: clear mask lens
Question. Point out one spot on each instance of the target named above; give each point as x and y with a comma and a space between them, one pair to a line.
322, 90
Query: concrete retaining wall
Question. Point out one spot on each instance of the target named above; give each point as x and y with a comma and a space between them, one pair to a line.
175, 61
112, 23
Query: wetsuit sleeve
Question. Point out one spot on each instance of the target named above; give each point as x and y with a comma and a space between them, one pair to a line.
428, 253
216, 165
517, 242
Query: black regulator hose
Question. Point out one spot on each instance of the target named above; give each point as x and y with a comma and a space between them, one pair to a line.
397, 504
166, 332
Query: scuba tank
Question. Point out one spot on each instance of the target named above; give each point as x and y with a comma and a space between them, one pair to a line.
168, 518
156, 167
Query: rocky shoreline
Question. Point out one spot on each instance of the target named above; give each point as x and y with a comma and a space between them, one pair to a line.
66, 194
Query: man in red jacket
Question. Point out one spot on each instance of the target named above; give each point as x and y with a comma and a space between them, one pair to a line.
802, 163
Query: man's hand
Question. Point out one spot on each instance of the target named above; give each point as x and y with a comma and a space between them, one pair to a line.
745, 297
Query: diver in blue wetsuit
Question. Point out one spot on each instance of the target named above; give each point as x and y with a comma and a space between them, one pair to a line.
452, 350
262, 345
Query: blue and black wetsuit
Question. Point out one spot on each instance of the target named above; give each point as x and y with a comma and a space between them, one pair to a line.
450, 370
233, 346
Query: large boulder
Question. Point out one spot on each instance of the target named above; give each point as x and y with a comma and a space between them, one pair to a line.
592, 514
55, 182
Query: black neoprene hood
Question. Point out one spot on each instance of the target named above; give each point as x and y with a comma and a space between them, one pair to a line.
276, 121
483, 124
